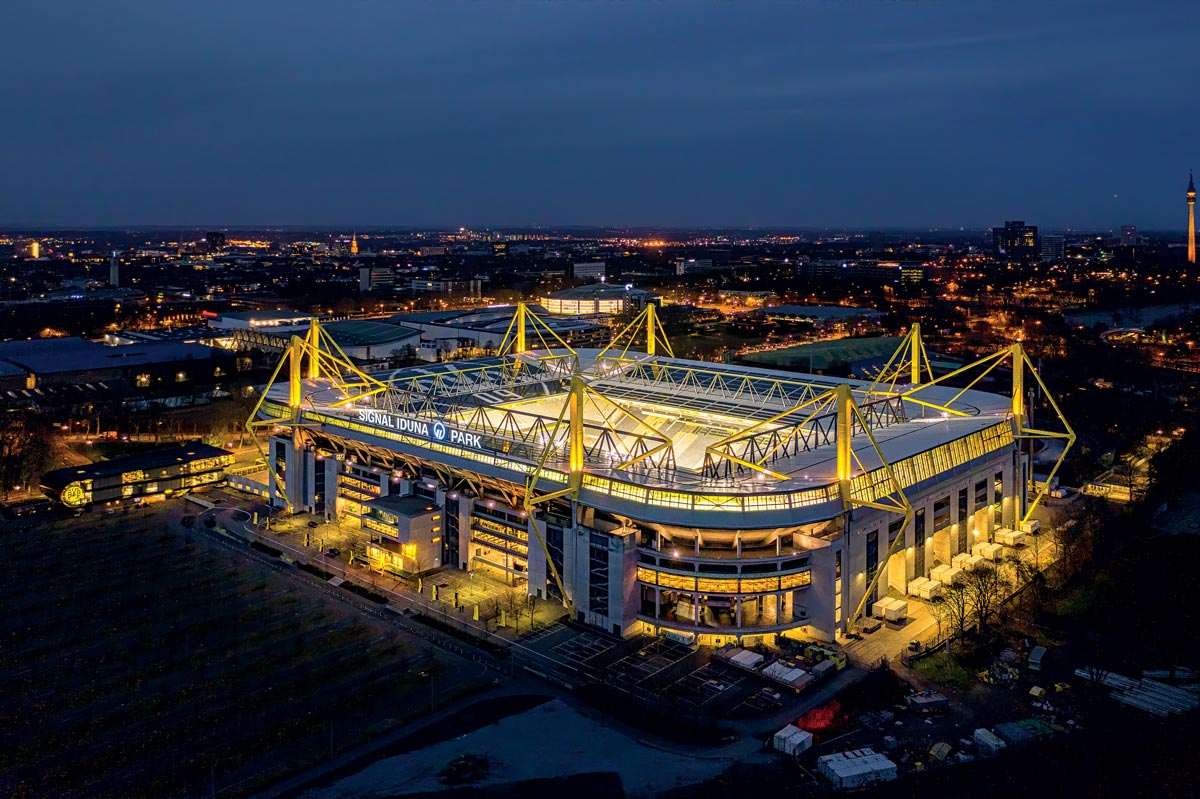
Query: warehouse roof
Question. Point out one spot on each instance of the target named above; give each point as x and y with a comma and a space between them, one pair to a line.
57, 355
362, 332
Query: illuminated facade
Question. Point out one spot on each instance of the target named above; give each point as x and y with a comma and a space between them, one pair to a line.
165, 470
596, 299
650, 493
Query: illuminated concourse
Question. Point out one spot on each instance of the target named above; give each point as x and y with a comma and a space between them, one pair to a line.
652, 494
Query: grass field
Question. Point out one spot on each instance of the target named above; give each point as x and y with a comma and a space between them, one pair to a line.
142, 662
944, 669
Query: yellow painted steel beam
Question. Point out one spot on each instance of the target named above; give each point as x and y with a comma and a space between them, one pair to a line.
910, 356
314, 346
1032, 433
902, 503
296, 355
520, 318
532, 499
575, 437
843, 442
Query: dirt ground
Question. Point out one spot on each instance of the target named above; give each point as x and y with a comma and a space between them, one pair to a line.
142, 660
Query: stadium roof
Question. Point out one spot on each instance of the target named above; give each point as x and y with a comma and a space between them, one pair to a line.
693, 405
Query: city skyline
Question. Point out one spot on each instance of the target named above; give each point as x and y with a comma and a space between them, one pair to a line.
911, 116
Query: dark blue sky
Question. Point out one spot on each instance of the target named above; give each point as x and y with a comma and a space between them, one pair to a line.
618, 112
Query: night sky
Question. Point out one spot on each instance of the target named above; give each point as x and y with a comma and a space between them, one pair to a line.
899, 113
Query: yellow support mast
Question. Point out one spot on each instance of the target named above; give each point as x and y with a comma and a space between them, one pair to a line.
325, 360
656, 338
910, 361
1022, 366
895, 501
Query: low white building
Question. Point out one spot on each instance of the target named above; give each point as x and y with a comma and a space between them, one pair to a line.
856, 768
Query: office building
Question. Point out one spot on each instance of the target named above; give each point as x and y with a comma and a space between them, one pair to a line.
1053, 249
1016, 240
589, 270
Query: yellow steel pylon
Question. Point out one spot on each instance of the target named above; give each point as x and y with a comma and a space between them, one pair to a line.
655, 337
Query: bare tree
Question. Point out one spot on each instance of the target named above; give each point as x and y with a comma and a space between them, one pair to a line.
516, 602
955, 605
985, 588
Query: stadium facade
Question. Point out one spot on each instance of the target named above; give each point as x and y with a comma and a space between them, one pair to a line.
652, 494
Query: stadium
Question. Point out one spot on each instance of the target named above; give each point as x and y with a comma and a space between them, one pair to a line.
656, 495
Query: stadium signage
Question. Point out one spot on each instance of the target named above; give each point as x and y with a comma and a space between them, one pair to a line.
406, 424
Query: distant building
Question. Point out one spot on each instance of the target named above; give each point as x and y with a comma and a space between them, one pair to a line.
597, 299
376, 278
252, 320
1053, 249
590, 270
472, 287
36, 363
866, 271
1129, 236
215, 240
485, 328
1016, 240
500, 248
354, 243
431, 250
114, 270
27, 248
685, 265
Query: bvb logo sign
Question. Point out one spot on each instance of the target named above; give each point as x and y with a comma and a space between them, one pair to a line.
73, 495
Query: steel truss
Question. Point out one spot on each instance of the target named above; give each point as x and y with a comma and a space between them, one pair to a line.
449, 390
780, 437
679, 381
